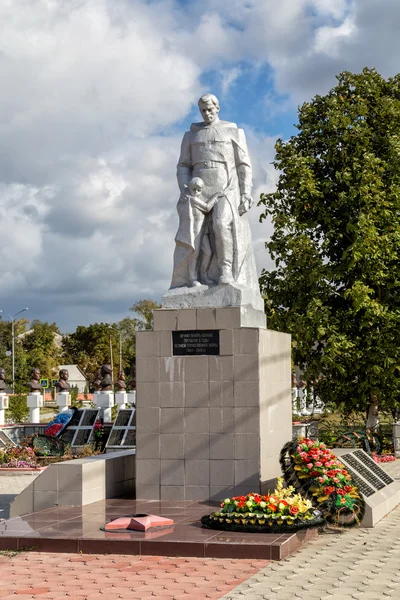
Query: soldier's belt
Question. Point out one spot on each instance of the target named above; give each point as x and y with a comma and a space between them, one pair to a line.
208, 164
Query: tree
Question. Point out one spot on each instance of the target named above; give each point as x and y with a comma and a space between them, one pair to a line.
336, 243
144, 308
89, 347
41, 347
21, 367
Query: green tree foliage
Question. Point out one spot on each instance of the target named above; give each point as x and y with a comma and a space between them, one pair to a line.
41, 348
18, 412
144, 309
89, 347
21, 356
336, 243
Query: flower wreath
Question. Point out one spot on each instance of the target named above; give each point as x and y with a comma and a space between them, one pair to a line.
321, 477
281, 510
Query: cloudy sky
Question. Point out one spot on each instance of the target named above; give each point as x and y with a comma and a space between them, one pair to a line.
94, 98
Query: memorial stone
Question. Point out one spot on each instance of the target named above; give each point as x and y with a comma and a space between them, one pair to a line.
380, 491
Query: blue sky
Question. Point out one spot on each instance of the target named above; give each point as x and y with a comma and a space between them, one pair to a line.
96, 95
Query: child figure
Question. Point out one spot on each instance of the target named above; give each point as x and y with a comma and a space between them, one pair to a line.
193, 231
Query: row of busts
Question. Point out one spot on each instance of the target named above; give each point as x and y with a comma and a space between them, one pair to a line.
103, 381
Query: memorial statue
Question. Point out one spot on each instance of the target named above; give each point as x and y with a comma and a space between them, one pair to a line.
97, 382
213, 243
62, 384
106, 381
34, 384
2, 378
120, 383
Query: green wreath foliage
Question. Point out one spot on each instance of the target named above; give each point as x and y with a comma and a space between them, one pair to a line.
316, 473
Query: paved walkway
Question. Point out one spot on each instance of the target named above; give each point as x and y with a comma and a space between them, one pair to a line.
356, 563
90, 577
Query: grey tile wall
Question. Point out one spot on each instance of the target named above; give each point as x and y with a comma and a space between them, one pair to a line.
210, 425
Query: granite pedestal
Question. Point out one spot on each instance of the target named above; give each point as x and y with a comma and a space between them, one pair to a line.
211, 426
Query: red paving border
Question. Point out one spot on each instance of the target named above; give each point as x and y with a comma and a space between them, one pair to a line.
43, 575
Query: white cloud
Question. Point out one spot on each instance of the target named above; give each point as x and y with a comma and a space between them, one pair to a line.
91, 95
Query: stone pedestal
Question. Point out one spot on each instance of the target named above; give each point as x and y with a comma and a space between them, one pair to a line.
121, 400
63, 401
104, 401
211, 426
396, 439
3, 407
35, 403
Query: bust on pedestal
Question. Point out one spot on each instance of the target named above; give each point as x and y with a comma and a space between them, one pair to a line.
63, 398
104, 399
35, 399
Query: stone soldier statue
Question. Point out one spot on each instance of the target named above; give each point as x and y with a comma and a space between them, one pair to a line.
216, 152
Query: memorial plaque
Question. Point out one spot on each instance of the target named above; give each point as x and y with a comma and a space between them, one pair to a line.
123, 433
193, 343
5, 441
80, 428
381, 492
375, 468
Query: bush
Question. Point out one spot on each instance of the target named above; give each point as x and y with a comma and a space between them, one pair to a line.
18, 411
74, 391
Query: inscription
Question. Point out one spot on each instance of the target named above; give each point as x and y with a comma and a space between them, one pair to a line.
364, 488
195, 342
371, 464
364, 471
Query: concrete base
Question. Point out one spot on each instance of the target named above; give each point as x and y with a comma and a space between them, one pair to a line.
396, 439
3, 407
34, 403
209, 427
78, 482
132, 398
121, 400
104, 401
63, 401
218, 296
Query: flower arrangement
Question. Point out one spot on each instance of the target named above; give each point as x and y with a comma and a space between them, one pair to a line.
280, 510
58, 424
325, 478
18, 458
98, 430
383, 458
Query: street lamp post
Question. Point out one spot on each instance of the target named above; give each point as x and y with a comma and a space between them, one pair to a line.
120, 347
12, 318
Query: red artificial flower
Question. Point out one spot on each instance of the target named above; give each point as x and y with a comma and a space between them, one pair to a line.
314, 474
348, 488
329, 490
241, 504
293, 510
341, 492
283, 502
272, 507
